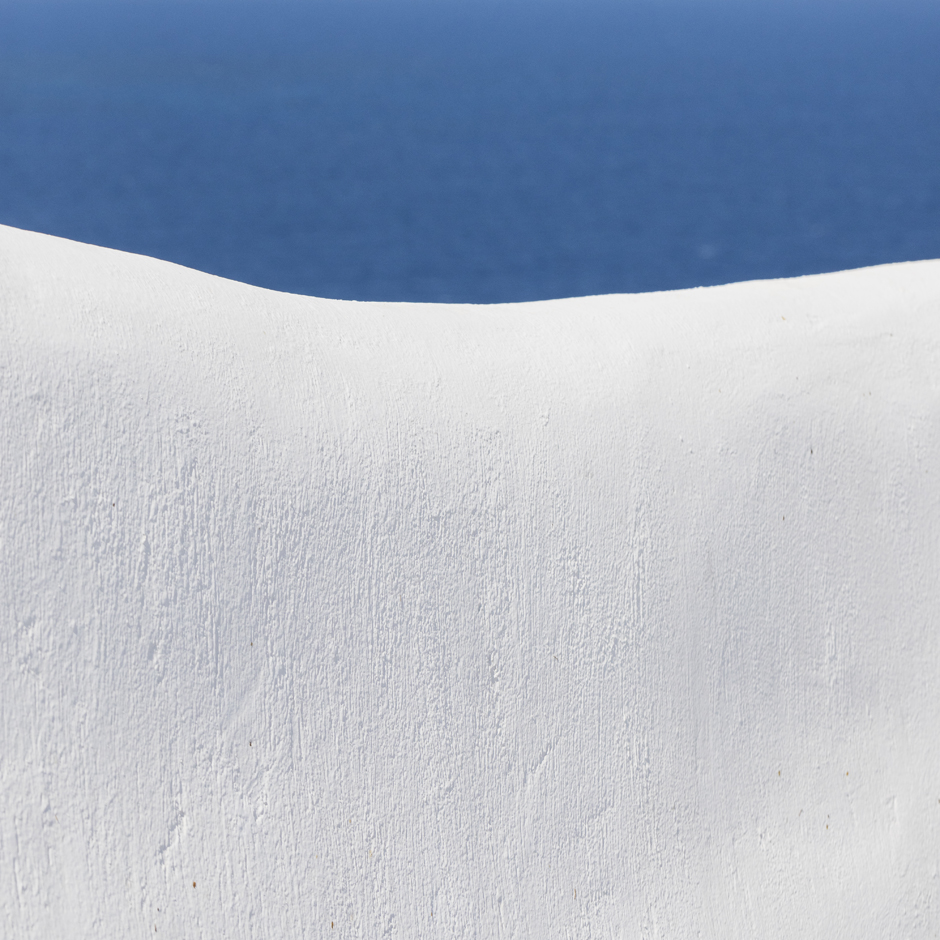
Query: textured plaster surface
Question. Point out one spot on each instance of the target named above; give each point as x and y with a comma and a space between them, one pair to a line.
607, 617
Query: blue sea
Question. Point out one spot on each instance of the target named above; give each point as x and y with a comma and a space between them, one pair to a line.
443, 150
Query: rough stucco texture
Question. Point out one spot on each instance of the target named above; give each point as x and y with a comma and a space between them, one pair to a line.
609, 617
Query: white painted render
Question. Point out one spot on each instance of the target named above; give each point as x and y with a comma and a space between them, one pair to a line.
610, 617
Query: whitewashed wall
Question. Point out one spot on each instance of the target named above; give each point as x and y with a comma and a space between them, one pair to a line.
609, 617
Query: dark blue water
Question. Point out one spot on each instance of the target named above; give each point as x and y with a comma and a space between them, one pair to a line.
453, 151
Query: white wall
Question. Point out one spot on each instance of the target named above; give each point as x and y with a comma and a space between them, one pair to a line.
608, 617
